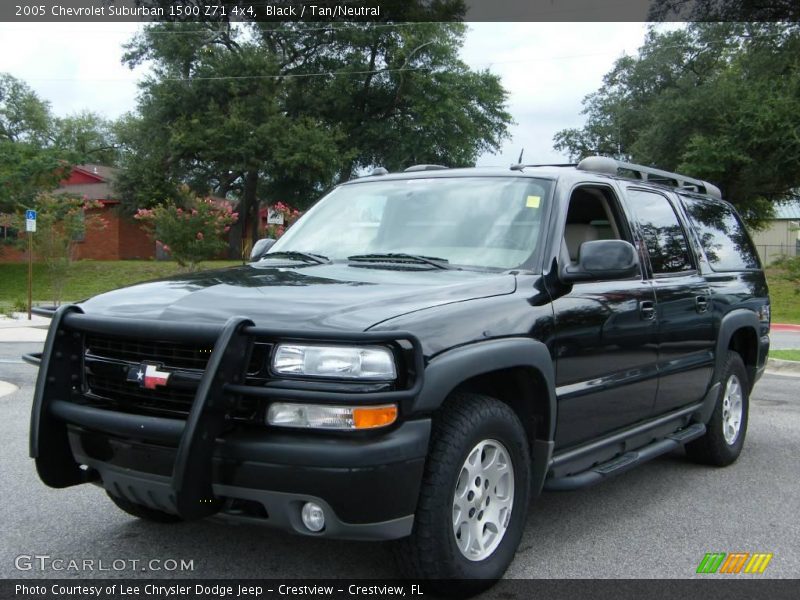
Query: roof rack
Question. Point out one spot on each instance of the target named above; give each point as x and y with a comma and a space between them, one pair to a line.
424, 168
520, 166
604, 164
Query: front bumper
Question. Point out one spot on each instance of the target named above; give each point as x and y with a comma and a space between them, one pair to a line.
210, 464
368, 488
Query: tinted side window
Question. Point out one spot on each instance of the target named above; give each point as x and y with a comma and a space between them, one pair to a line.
663, 235
724, 238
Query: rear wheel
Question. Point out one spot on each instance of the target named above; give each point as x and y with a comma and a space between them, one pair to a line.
724, 438
143, 512
474, 497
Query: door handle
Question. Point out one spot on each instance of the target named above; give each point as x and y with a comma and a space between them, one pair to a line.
701, 303
647, 309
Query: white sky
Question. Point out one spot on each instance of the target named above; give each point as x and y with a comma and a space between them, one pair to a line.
547, 69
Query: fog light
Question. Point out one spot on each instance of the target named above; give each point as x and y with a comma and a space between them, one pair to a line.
313, 516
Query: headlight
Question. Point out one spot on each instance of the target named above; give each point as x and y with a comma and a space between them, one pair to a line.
764, 313
345, 362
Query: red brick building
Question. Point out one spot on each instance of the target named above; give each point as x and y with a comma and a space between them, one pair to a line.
122, 238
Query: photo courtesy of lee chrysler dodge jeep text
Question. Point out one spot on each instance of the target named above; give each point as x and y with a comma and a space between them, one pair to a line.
417, 358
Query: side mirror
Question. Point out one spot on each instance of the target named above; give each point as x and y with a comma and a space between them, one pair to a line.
260, 248
602, 260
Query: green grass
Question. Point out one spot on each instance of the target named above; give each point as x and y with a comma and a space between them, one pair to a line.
86, 278
785, 354
785, 300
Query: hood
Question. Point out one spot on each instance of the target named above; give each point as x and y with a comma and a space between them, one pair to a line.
334, 296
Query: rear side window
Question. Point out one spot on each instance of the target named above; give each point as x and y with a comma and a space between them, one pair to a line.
722, 235
662, 232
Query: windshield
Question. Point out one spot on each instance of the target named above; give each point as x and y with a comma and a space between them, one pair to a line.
491, 222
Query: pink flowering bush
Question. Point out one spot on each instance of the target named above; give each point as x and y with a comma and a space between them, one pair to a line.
190, 234
290, 215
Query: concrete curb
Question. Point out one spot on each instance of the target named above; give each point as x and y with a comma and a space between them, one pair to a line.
22, 334
7, 388
776, 366
20, 320
20, 329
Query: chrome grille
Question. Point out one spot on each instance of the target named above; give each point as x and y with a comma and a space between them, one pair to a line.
177, 356
118, 394
107, 362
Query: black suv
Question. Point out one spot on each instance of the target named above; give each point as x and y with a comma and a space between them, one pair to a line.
417, 358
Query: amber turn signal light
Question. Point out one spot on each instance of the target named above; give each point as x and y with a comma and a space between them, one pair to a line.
374, 416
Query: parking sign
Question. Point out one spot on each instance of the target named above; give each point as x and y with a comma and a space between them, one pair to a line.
30, 221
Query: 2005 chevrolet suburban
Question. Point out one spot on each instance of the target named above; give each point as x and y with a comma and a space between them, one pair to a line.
418, 357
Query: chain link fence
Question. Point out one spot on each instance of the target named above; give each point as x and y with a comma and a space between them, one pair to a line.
770, 253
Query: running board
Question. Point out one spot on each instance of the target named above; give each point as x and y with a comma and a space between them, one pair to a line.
626, 461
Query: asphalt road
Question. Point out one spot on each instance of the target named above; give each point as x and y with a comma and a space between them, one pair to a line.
656, 521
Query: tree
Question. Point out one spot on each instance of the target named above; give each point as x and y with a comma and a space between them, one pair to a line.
724, 10
37, 149
266, 110
27, 165
399, 91
211, 124
88, 137
719, 101
25, 171
23, 116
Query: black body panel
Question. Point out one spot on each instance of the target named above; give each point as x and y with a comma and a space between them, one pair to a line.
606, 357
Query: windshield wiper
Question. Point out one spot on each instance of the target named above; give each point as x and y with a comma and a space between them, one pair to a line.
305, 256
402, 258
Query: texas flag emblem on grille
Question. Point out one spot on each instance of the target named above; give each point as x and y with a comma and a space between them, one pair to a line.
148, 376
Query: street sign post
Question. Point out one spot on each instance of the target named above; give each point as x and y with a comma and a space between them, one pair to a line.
274, 216
30, 221
30, 228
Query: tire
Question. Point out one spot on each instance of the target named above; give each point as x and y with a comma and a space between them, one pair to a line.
464, 423
722, 442
144, 512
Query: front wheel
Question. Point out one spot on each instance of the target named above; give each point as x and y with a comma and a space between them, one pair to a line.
724, 438
474, 496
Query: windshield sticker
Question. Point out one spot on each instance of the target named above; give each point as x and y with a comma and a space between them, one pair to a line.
533, 201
